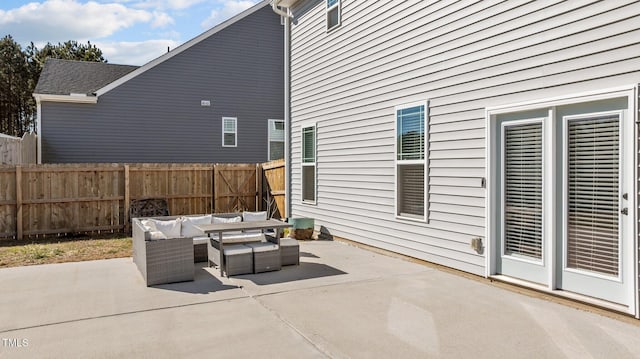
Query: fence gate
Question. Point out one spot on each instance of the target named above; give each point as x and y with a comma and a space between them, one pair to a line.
236, 187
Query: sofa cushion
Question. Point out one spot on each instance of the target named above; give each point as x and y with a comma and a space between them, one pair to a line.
252, 217
171, 228
156, 235
236, 219
189, 225
201, 240
244, 237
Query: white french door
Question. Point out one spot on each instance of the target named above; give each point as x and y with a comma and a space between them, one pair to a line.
565, 198
595, 206
522, 244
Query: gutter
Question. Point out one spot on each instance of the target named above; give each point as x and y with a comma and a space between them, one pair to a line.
286, 14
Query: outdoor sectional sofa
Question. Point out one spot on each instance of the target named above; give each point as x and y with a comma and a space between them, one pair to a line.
165, 248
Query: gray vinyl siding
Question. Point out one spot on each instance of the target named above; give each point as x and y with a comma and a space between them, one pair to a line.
157, 116
461, 57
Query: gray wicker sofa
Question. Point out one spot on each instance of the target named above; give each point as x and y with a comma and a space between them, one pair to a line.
170, 258
161, 261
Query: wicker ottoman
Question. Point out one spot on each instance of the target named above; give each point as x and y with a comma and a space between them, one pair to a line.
289, 251
238, 259
266, 257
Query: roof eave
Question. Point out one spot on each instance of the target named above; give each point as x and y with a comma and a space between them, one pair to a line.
284, 3
71, 98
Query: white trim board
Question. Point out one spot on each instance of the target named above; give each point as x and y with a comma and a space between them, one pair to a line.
187, 45
65, 98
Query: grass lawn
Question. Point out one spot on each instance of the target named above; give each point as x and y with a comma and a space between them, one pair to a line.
28, 252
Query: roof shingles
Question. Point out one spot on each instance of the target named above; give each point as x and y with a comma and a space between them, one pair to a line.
64, 77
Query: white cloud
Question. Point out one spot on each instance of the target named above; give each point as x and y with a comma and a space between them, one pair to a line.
161, 19
228, 9
134, 53
167, 4
61, 20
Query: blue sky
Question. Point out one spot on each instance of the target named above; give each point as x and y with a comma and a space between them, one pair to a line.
128, 31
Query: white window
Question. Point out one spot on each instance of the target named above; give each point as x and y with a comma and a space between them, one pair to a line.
276, 139
333, 14
229, 132
309, 164
411, 165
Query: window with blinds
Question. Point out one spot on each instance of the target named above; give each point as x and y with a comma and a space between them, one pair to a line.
523, 190
333, 14
309, 164
410, 161
593, 165
276, 139
229, 131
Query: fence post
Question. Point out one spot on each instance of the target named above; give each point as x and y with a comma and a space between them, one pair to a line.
214, 192
213, 189
259, 199
19, 202
127, 194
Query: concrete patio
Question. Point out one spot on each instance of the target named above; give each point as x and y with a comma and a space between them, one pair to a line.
341, 302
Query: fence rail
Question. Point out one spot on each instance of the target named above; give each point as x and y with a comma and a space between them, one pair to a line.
56, 199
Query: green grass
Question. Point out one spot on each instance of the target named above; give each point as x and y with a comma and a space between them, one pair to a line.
15, 253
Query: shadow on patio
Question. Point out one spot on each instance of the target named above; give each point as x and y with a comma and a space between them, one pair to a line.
204, 282
303, 271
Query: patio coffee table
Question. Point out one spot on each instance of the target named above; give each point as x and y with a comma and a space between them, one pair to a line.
220, 228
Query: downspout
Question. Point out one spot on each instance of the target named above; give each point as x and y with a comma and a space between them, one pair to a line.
38, 130
287, 102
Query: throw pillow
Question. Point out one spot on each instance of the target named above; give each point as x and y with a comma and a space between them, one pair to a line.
189, 225
148, 225
171, 228
253, 217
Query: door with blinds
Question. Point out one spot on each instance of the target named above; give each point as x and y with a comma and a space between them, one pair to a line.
595, 206
522, 244
586, 246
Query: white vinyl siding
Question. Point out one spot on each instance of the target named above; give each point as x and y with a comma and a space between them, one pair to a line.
333, 14
410, 162
229, 132
309, 164
463, 56
276, 139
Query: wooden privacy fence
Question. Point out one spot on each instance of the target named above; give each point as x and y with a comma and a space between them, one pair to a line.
274, 198
16, 150
78, 198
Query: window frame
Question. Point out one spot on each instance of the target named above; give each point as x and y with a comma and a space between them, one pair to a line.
313, 164
425, 162
328, 9
272, 124
235, 132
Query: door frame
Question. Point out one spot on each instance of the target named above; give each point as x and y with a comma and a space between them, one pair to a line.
493, 206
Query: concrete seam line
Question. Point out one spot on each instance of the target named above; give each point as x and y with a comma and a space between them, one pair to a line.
118, 314
327, 353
